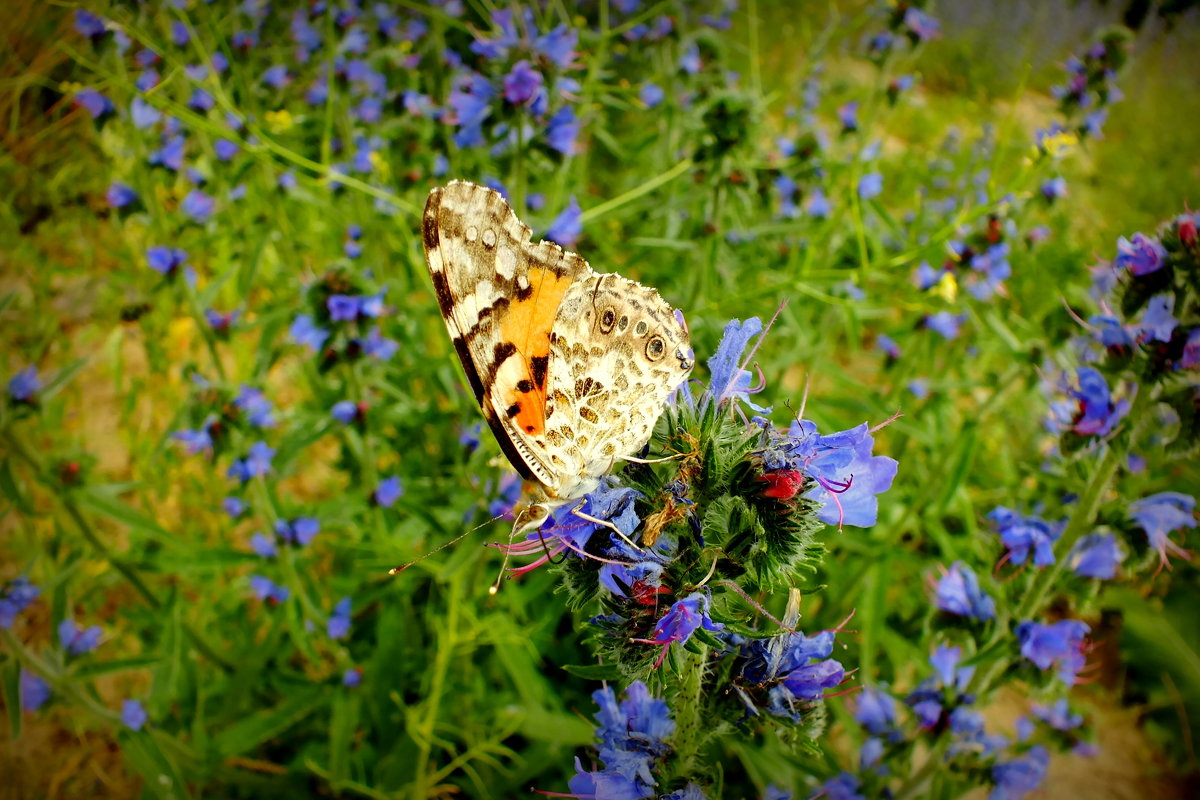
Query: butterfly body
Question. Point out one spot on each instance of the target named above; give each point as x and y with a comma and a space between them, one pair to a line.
571, 368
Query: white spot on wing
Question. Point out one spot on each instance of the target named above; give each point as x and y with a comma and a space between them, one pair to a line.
489, 238
506, 263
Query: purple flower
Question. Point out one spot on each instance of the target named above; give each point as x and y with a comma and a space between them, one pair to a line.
724, 366
299, 531
88, 24
469, 101
1157, 322
133, 715
876, 711
689, 62
1141, 256
1058, 716
1097, 414
1096, 556
120, 195
651, 94
165, 260
817, 204
267, 590
497, 48
76, 640
369, 110
198, 205
338, 626
945, 323
305, 332
200, 100
1022, 535
681, 621
1017, 778
34, 691
225, 149
96, 104
1059, 645
197, 441
234, 506
562, 131
1160, 515
870, 185
258, 409
345, 411
256, 463
566, 227
342, 307
18, 596
170, 155
287, 181
1112, 334
889, 347
388, 492
921, 26
558, 46
263, 546
847, 475
1054, 188
378, 346
848, 115
179, 33
958, 593
24, 385
522, 83
782, 663
352, 677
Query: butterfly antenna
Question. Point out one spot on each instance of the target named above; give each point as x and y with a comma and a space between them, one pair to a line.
495, 587
440, 548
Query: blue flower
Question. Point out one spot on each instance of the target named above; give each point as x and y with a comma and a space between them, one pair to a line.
305, 332
377, 346
1017, 778
921, 26
725, 365
197, 441
651, 94
24, 385
352, 677
497, 48
225, 149
1096, 556
1097, 414
848, 115
166, 260
469, 101
1112, 334
342, 307
1021, 535
841, 787
818, 205
263, 546
958, 593
1058, 716
1160, 515
781, 664
847, 476
945, 323
1054, 188
683, 619
338, 626
34, 691
76, 640
256, 463
876, 711
522, 83
387, 492
287, 181
201, 101
566, 227
299, 531
632, 736
120, 195
18, 596
1157, 322
258, 409
689, 62
947, 684
345, 411
1059, 645
170, 155
267, 590
888, 345
96, 104
1141, 256
179, 33
88, 24
234, 506
558, 46
562, 131
133, 715
198, 205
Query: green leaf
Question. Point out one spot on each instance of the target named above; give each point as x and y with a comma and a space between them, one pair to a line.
8, 485
118, 511
594, 672
95, 670
11, 683
248, 733
60, 380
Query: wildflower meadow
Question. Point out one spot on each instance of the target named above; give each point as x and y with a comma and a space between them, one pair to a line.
917, 523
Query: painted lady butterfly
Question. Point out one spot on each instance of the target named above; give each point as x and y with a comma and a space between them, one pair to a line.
570, 368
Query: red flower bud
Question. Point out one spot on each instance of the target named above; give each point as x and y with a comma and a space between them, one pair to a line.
1187, 233
783, 484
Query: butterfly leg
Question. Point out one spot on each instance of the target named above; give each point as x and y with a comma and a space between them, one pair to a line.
606, 523
662, 460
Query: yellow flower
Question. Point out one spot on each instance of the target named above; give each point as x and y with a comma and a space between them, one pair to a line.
1058, 143
947, 287
279, 121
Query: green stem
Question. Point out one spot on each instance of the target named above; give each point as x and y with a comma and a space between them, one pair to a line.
690, 725
423, 734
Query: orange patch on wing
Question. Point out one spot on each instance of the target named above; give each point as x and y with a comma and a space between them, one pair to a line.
527, 324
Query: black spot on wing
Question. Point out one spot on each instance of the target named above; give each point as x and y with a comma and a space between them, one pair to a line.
512, 410
524, 386
539, 364
503, 352
464, 355
442, 287
429, 226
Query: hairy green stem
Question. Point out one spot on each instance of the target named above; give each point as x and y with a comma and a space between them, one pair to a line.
690, 726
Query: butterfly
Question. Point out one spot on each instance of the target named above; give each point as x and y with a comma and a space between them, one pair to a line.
571, 368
